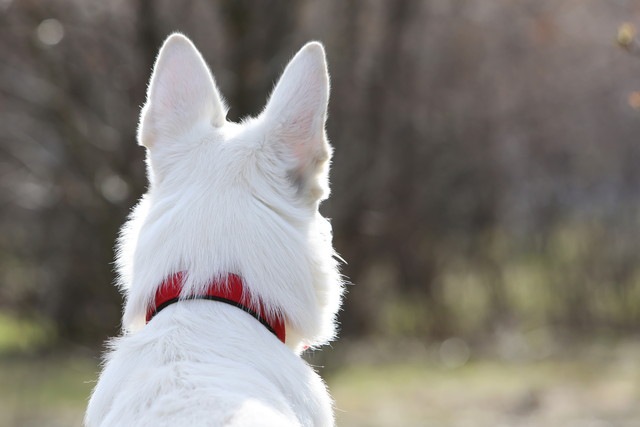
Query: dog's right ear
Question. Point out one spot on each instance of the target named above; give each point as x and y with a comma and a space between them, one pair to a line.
181, 94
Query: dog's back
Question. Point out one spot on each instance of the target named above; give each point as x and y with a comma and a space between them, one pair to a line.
225, 200
183, 369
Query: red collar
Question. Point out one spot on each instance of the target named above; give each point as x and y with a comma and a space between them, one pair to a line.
229, 290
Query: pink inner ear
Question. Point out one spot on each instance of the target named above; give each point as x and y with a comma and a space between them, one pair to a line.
181, 92
300, 152
299, 101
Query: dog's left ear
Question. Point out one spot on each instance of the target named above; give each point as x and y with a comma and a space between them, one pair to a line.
295, 117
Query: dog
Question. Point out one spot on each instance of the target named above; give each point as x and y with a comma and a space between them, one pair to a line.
226, 264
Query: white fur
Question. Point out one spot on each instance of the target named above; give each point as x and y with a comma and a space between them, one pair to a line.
225, 198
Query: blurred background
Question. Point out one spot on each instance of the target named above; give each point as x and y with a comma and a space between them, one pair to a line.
486, 196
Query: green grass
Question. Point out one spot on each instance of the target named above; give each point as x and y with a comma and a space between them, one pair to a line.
23, 335
488, 393
44, 392
594, 388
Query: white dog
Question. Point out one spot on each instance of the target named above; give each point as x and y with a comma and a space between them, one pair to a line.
227, 266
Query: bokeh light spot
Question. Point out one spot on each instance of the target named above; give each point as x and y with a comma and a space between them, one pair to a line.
114, 189
634, 100
50, 32
454, 353
626, 34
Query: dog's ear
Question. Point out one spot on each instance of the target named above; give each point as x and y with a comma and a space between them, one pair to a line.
181, 94
295, 117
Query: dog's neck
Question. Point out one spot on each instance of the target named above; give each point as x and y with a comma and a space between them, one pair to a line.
229, 290
285, 264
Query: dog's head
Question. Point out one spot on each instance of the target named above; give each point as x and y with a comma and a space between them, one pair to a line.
185, 113
242, 196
